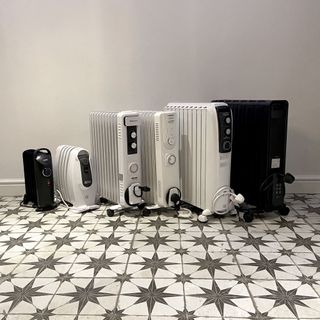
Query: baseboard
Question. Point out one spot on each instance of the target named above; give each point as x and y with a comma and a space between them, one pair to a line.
12, 187
303, 184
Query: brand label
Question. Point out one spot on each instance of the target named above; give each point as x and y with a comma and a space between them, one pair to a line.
275, 163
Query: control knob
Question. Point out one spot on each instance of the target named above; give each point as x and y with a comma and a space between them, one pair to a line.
171, 159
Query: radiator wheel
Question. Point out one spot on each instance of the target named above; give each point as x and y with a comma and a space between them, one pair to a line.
110, 212
146, 212
248, 216
284, 210
141, 206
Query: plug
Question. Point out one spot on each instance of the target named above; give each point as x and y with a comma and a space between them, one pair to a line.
175, 198
238, 199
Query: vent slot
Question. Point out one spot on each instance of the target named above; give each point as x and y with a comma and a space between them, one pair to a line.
157, 132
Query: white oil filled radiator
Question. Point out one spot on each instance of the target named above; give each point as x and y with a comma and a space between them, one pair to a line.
116, 152
74, 178
160, 159
205, 156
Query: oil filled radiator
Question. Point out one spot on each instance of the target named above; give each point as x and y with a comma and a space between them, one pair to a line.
116, 152
160, 158
74, 179
205, 156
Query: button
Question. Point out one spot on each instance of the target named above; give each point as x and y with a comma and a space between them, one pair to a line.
84, 161
227, 120
133, 134
133, 145
226, 145
46, 172
133, 167
171, 159
228, 131
171, 141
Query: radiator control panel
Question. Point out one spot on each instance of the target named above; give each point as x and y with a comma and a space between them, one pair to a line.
224, 116
169, 130
86, 176
132, 139
167, 154
129, 156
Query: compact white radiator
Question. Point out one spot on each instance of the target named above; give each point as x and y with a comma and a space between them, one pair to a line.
115, 143
205, 153
160, 157
74, 178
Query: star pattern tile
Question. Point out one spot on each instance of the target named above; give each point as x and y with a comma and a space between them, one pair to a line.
63, 265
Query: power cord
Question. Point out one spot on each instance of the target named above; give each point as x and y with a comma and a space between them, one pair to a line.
184, 213
78, 209
62, 199
235, 199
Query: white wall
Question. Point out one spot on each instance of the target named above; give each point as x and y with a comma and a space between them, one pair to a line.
59, 60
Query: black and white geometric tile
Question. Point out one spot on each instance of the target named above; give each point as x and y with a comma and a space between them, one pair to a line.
63, 265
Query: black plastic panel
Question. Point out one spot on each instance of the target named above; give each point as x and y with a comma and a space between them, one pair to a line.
86, 175
132, 139
43, 178
225, 128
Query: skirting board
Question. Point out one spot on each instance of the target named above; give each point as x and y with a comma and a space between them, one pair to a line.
12, 187
303, 184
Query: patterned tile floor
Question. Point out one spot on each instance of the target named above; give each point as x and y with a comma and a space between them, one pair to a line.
63, 265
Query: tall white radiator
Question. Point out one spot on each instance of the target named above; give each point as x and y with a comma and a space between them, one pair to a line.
160, 157
205, 154
116, 153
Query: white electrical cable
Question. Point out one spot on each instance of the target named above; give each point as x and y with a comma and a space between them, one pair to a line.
65, 203
79, 209
233, 199
184, 213
62, 199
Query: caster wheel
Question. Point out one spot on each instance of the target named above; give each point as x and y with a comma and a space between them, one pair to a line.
104, 200
110, 213
141, 206
248, 217
146, 212
284, 211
